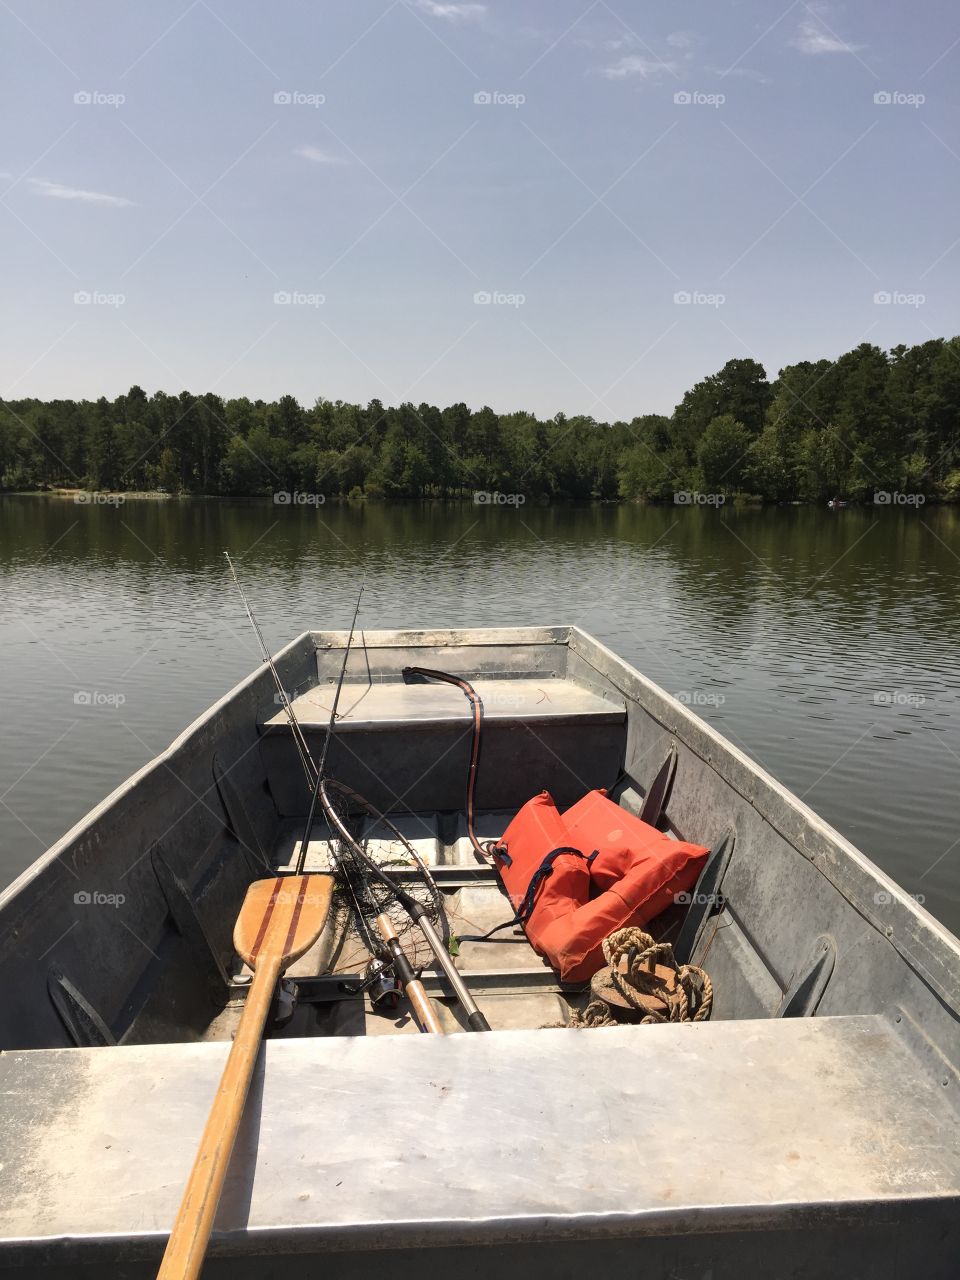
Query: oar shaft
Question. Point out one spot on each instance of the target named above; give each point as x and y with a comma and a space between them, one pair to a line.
194, 1222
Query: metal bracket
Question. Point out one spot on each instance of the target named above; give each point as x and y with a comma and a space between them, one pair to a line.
84, 1025
706, 899
238, 820
805, 992
190, 926
655, 801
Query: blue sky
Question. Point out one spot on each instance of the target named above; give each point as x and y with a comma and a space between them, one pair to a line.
151, 164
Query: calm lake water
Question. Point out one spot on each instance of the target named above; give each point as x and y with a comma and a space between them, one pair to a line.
825, 644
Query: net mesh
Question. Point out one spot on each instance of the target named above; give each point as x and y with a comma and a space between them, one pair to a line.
363, 835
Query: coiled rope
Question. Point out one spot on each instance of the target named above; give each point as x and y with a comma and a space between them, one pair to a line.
642, 982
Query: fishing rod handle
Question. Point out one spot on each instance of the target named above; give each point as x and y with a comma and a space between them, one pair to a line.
412, 986
475, 1018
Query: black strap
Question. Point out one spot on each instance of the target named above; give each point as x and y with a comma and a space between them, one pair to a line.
545, 869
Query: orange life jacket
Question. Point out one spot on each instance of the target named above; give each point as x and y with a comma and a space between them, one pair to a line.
619, 839
544, 875
550, 863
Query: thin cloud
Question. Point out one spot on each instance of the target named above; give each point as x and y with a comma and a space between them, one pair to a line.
452, 12
813, 39
681, 39
745, 73
635, 64
57, 191
316, 156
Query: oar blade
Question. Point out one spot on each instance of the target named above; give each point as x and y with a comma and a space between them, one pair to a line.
283, 916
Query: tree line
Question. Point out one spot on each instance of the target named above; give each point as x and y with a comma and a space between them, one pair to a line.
870, 420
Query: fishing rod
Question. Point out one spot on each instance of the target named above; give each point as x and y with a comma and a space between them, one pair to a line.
415, 911
334, 796
300, 741
388, 952
302, 857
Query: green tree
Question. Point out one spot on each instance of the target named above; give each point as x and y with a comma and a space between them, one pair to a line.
722, 454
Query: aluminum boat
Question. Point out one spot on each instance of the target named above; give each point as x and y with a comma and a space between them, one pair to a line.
807, 1129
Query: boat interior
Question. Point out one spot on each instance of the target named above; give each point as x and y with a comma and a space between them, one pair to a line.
147, 890
834, 1021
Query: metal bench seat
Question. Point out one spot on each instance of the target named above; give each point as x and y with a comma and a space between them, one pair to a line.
638, 1135
393, 704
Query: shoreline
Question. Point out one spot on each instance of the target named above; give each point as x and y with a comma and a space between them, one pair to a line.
116, 497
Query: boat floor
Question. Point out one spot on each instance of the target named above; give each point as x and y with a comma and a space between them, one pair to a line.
516, 988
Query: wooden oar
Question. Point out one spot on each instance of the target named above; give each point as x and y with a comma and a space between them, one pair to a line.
280, 919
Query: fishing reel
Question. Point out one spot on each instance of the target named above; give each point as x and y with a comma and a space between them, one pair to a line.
383, 986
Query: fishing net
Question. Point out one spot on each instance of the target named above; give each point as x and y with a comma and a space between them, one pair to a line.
368, 846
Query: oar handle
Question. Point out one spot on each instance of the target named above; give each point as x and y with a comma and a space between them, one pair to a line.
187, 1245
